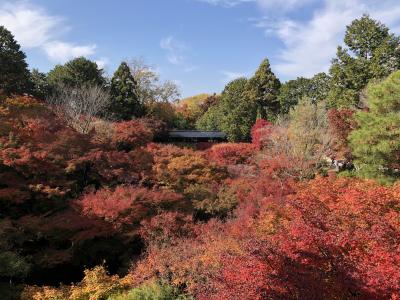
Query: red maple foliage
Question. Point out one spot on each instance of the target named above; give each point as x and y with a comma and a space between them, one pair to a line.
128, 205
110, 168
129, 135
260, 130
330, 239
162, 230
231, 153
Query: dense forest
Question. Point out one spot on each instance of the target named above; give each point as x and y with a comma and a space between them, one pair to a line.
302, 202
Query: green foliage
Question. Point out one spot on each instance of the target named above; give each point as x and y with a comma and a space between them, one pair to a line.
238, 111
39, 85
152, 291
14, 75
13, 265
234, 114
77, 72
263, 89
291, 92
125, 103
241, 101
376, 144
364, 36
210, 120
371, 52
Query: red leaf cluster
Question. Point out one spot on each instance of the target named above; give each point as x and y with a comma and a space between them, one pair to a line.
163, 229
130, 135
128, 205
327, 239
260, 130
231, 153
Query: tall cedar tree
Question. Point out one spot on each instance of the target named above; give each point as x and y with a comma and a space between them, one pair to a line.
14, 74
237, 112
125, 103
263, 88
376, 144
77, 72
371, 53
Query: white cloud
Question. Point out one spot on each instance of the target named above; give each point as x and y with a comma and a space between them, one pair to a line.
33, 27
228, 76
102, 62
61, 52
309, 46
176, 53
175, 50
227, 3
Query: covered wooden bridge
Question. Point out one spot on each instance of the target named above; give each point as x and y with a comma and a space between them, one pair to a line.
196, 136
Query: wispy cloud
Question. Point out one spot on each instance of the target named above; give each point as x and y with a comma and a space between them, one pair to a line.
176, 52
269, 5
34, 27
227, 3
309, 46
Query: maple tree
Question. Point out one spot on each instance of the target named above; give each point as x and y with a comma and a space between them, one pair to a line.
127, 205
178, 168
231, 153
313, 241
129, 135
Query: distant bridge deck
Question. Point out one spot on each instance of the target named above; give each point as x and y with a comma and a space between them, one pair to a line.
196, 136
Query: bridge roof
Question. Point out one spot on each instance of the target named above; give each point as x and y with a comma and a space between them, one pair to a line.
196, 134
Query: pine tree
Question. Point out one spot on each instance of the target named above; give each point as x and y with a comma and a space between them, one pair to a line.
39, 85
14, 74
125, 104
376, 144
263, 89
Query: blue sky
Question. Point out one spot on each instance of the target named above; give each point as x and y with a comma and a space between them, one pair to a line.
199, 44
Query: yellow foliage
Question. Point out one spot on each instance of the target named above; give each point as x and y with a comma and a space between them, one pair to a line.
96, 285
194, 101
45, 293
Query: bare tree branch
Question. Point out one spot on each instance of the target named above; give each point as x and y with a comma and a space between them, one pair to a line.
79, 106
